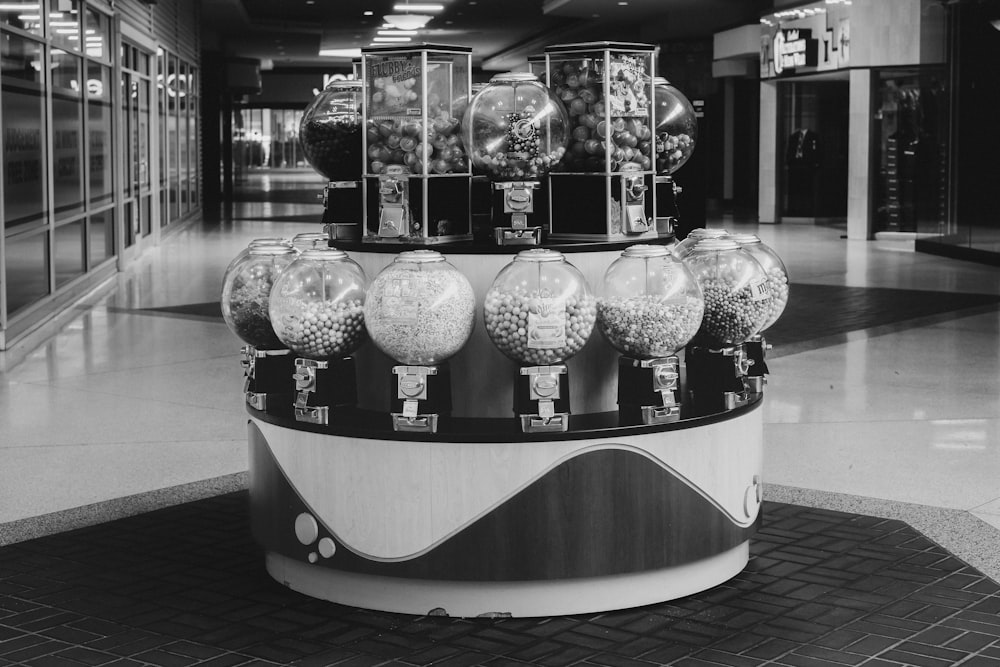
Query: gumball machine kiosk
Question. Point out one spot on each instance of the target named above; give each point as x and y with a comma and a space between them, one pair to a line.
417, 176
420, 311
737, 304
675, 132
330, 135
516, 130
539, 312
777, 286
650, 308
316, 309
607, 90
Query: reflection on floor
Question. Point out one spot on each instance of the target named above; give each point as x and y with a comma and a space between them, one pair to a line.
883, 401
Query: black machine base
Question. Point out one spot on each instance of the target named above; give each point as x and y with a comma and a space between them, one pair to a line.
268, 378
716, 378
649, 390
321, 386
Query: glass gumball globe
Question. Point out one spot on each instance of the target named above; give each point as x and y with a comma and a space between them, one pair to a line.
734, 286
515, 128
651, 304
676, 128
777, 276
316, 305
330, 131
420, 310
246, 294
539, 309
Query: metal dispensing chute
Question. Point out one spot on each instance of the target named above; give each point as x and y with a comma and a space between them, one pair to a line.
737, 303
516, 131
417, 177
420, 311
331, 136
675, 131
777, 284
316, 308
650, 307
602, 189
246, 293
539, 312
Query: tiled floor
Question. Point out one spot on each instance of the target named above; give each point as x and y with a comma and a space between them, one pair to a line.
883, 401
185, 586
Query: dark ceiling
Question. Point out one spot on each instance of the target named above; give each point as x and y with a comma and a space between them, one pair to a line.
501, 33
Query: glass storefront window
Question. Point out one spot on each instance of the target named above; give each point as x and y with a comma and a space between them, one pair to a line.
911, 151
99, 133
23, 15
172, 148
23, 111
68, 252
96, 34
64, 24
182, 136
27, 258
101, 241
67, 133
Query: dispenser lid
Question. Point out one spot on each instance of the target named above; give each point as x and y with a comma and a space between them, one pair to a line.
420, 256
324, 254
646, 250
715, 245
705, 233
272, 249
539, 255
272, 240
744, 238
508, 77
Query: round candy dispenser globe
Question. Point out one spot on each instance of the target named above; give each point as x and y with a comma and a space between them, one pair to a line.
310, 240
515, 128
652, 304
420, 310
317, 305
681, 249
777, 276
539, 310
246, 293
676, 128
733, 284
330, 131
270, 240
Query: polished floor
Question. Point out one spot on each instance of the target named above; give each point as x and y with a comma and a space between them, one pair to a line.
883, 399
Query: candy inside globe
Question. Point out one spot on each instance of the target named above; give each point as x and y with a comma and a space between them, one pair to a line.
515, 128
676, 126
316, 304
777, 276
651, 304
734, 286
539, 310
420, 309
330, 131
246, 293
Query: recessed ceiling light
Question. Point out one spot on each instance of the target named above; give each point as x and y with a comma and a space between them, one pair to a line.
341, 53
369, 13
623, 3
390, 32
417, 7
392, 39
310, 2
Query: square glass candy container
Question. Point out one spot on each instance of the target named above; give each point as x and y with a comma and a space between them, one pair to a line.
417, 174
602, 189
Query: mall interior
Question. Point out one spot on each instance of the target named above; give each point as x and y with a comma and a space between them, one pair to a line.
847, 512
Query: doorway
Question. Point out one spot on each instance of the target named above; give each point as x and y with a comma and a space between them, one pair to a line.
136, 139
813, 147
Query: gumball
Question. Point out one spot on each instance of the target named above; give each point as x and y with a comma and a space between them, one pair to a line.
593, 146
602, 129
577, 107
581, 133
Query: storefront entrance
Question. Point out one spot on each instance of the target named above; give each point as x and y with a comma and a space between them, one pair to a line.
812, 149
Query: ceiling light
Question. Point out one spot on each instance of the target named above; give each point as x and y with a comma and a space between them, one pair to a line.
369, 13
390, 33
407, 21
418, 7
341, 53
392, 39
